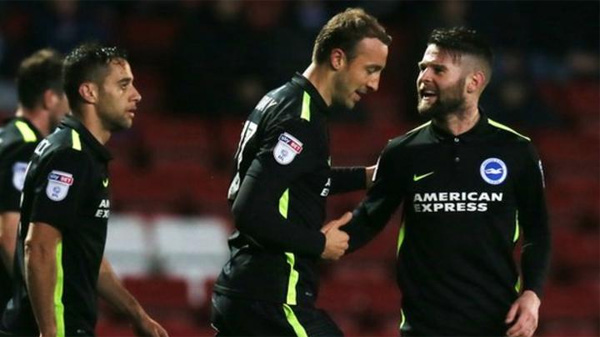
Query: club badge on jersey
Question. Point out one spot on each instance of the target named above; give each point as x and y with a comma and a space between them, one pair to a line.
286, 149
58, 185
19, 171
493, 171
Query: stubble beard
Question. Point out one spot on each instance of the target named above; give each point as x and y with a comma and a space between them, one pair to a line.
452, 101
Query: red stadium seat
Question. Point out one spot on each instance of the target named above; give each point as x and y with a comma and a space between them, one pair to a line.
160, 296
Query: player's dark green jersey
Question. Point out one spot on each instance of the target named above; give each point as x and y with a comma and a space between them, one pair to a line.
18, 139
278, 197
66, 186
466, 199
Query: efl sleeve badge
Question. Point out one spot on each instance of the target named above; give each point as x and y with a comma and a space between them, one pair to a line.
286, 149
58, 185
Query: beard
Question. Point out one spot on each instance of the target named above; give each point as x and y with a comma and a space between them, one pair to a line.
113, 121
447, 102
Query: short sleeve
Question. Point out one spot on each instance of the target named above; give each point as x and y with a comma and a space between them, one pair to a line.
58, 188
12, 176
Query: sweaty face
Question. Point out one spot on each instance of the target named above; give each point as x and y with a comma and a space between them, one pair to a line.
117, 97
441, 83
360, 75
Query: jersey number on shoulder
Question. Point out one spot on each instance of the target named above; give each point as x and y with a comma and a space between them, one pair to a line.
247, 132
42, 146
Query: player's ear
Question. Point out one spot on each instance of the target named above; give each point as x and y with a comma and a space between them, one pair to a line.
89, 92
476, 81
49, 99
337, 58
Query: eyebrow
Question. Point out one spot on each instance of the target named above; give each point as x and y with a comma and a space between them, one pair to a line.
125, 80
433, 64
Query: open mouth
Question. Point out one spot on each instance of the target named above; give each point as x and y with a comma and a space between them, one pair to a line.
427, 94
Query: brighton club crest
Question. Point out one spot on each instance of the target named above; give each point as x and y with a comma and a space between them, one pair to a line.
493, 171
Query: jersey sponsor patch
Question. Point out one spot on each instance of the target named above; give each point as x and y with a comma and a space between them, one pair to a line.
19, 172
58, 185
493, 171
286, 149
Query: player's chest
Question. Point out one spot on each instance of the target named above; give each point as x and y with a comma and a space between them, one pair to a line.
461, 175
96, 203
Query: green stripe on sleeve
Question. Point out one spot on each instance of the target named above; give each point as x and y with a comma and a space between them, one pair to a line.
516, 235
306, 107
293, 280
284, 203
506, 128
402, 319
59, 309
400, 238
293, 320
289, 257
26, 132
75, 140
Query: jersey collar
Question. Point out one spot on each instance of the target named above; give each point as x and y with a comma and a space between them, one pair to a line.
311, 90
98, 149
476, 132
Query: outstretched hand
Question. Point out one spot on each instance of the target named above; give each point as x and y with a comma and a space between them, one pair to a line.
523, 315
147, 327
337, 223
336, 241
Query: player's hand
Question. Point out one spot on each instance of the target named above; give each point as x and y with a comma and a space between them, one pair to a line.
526, 312
337, 223
336, 241
147, 327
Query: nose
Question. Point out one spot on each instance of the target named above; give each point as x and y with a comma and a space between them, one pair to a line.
373, 83
424, 76
136, 95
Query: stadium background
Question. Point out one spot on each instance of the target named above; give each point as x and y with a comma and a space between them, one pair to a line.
201, 67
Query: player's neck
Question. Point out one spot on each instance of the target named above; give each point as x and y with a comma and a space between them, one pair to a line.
38, 117
459, 122
92, 122
321, 80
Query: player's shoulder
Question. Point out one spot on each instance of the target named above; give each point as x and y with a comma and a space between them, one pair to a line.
17, 132
409, 138
64, 143
288, 101
505, 133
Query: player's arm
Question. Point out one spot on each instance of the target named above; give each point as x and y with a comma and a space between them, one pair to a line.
535, 257
41, 250
12, 175
533, 219
382, 199
349, 179
9, 222
113, 292
53, 209
261, 207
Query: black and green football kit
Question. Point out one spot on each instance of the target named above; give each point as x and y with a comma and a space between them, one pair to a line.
278, 197
18, 139
66, 186
466, 199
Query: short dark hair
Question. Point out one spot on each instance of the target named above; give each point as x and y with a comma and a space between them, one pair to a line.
87, 63
465, 41
39, 72
345, 31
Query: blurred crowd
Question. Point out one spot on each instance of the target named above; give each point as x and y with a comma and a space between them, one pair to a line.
217, 58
